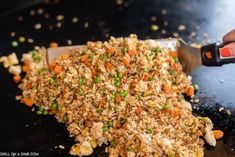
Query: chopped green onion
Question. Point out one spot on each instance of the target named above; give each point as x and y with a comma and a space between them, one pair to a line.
40, 71
165, 107
101, 92
139, 97
99, 111
176, 59
119, 75
39, 112
117, 83
195, 86
170, 71
112, 143
149, 131
124, 50
59, 108
154, 27
105, 129
14, 44
53, 105
35, 56
80, 91
112, 99
109, 54
156, 50
40, 109
102, 56
110, 123
81, 81
122, 121
130, 149
51, 98
170, 155
145, 70
45, 112
123, 93
21, 39
51, 81
65, 118
97, 79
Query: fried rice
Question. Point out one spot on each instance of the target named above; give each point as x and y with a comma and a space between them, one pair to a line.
125, 93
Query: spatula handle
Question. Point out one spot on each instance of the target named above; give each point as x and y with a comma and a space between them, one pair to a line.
217, 54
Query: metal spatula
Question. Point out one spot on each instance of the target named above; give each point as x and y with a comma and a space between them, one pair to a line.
190, 57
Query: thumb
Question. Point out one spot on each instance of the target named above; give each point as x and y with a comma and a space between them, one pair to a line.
229, 37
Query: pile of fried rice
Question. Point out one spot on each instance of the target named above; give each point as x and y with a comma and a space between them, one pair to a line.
125, 93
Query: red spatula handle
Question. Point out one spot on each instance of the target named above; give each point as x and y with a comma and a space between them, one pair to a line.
217, 54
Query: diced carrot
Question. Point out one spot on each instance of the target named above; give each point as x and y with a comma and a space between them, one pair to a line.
166, 88
126, 62
146, 77
138, 110
51, 65
132, 52
110, 50
27, 101
25, 68
176, 113
52, 112
84, 58
57, 69
29, 85
53, 45
177, 155
87, 63
218, 134
190, 91
118, 98
17, 78
108, 65
173, 54
65, 56
175, 67
101, 102
94, 72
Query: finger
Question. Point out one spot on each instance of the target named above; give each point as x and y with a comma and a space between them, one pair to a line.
229, 37
230, 45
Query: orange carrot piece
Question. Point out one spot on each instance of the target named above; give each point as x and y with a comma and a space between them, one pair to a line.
173, 54
53, 45
132, 52
17, 78
101, 102
25, 68
51, 65
146, 77
138, 110
166, 88
94, 72
27, 101
190, 91
218, 134
29, 85
84, 58
52, 112
118, 98
110, 50
88, 64
108, 65
57, 69
126, 62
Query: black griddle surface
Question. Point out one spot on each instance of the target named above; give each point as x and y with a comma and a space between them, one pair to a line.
24, 131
